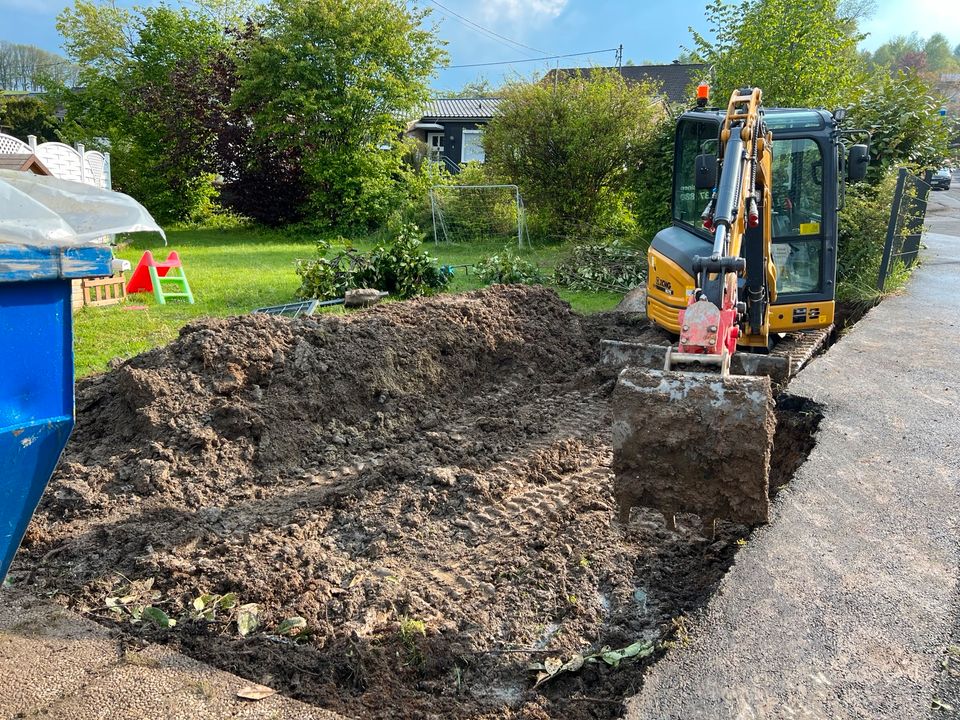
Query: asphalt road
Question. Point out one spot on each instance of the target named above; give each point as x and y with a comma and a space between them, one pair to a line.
844, 606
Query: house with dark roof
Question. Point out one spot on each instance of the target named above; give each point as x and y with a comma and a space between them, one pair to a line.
450, 129
674, 79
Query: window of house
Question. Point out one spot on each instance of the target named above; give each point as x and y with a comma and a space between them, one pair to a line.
472, 150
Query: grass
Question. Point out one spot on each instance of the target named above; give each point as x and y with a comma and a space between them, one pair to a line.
232, 272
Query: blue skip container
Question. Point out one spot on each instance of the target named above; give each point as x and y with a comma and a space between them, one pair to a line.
36, 374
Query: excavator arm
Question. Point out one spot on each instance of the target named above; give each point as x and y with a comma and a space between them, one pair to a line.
738, 214
688, 438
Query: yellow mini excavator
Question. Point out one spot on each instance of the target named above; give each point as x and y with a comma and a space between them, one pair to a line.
751, 255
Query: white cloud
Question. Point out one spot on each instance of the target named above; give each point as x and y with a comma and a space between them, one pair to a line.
501, 12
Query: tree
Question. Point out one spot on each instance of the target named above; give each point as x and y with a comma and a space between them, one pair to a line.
801, 53
480, 88
901, 112
571, 146
937, 50
333, 80
687, 57
23, 116
229, 14
30, 69
157, 82
911, 52
891, 52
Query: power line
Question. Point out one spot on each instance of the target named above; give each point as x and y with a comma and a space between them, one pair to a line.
487, 36
540, 59
471, 23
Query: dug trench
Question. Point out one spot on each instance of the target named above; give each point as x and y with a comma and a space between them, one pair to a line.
426, 484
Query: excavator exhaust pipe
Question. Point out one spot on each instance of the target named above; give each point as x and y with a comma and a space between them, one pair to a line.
690, 442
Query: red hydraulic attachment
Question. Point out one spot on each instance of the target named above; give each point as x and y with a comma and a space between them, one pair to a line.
708, 334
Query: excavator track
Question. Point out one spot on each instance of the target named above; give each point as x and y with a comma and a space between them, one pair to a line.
802, 347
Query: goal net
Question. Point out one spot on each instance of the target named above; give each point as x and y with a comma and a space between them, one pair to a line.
478, 213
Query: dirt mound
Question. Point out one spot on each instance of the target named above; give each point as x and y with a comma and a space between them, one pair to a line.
427, 484
248, 399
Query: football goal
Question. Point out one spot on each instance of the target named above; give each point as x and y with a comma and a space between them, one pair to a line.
472, 213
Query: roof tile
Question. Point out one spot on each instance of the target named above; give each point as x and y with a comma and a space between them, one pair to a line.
461, 108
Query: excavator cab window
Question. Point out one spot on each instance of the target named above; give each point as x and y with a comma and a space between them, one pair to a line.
694, 138
797, 215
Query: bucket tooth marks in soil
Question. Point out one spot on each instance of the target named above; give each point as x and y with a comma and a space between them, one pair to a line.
426, 483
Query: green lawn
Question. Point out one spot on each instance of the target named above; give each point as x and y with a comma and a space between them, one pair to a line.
234, 271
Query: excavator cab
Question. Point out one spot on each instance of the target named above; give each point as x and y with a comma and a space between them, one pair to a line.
806, 187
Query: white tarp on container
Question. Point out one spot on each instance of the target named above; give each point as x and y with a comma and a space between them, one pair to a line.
46, 211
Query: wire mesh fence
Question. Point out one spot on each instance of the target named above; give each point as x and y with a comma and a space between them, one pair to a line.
905, 227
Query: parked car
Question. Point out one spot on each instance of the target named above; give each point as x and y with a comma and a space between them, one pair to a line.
941, 179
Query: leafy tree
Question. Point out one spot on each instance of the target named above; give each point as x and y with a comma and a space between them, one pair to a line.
229, 13
937, 50
269, 186
332, 80
23, 116
801, 53
911, 52
891, 53
30, 69
857, 10
901, 111
687, 57
570, 146
157, 82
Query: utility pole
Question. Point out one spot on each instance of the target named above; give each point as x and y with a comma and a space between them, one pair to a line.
620, 57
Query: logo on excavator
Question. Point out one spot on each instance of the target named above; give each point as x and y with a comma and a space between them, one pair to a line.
664, 285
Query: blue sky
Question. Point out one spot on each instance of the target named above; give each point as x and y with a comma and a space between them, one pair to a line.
653, 31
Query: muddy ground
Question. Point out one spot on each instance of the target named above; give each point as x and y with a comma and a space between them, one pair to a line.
427, 484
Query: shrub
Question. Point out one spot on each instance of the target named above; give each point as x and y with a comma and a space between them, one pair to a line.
400, 267
570, 145
901, 112
509, 269
610, 268
652, 181
862, 231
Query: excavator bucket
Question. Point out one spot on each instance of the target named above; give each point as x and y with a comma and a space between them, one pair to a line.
691, 442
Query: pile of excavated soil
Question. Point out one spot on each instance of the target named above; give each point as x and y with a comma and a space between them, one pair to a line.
252, 398
426, 483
